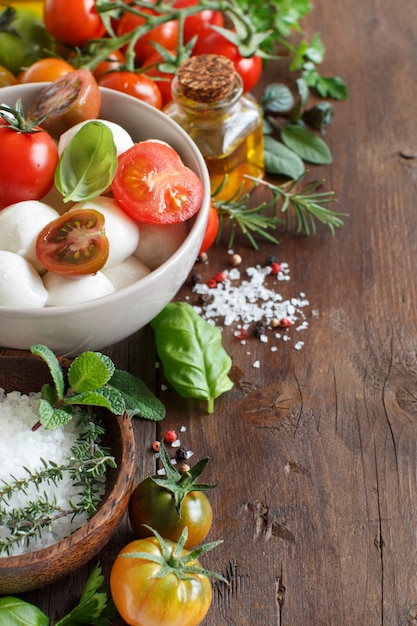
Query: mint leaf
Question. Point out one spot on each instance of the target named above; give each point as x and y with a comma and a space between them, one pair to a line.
88, 163
52, 362
306, 144
51, 418
88, 372
281, 160
138, 397
277, 98
105, 397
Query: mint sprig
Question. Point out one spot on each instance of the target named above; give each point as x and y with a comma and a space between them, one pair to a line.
93, 380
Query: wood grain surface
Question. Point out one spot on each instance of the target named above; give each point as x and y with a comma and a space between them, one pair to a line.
315, 450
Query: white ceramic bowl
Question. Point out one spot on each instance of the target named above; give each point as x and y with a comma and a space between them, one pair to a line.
94, 325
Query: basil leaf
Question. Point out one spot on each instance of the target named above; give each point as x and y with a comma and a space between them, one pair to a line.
137, 396
194, 360
306, 144
88, 163
281, 160
16, 612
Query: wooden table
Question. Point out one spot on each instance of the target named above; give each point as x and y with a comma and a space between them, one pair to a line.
315, 450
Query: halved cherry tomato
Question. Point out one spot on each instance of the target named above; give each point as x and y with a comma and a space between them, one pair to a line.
114, 61
197, 22
212, 229
73, 22
45, 70
75, 244
153, 185
249, 68
134, 84
68, 100
166, 35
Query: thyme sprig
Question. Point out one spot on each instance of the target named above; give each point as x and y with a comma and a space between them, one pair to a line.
85, 465
305, 206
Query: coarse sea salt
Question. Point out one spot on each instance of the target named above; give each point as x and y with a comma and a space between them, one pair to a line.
21, 447
239, 301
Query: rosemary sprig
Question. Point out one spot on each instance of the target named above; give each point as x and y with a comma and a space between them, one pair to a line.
305, 205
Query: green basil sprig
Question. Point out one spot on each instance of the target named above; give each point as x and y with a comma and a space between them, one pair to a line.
87, 164
191, 352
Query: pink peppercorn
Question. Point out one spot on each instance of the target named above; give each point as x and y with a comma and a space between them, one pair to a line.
170, 436
285, 322
156, 446
220, 277
275, 268
211, 283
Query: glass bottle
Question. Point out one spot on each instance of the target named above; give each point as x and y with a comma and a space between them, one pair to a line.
208, 102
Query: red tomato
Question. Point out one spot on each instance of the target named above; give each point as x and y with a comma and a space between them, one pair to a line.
138, 85
197, 22
212, 229
114, 61
68, 100
28, 162
162, 79
148, 592
165, 35
74, 244
249, 68
153, 185
45, 70
73, 22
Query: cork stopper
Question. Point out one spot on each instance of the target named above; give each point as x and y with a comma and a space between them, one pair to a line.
206, 77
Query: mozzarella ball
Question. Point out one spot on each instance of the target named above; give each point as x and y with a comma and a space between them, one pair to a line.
126, 273
20, 284
123, 141
62, 291
158, 242
121, 231
20, 224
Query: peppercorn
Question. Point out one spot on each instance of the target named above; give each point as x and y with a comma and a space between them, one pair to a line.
156, 446
285, 322
259, 330
236, 260
195, 278
181, 454
184, 468
170, 436
271, 259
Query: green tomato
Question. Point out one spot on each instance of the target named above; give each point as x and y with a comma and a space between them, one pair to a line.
23, 38
154, 506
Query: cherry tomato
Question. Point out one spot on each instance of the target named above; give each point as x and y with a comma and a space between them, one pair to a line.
23, 38
28, 162
144, 596
45, 70
212, 229
68, 100
165, 35
73, 23
138, 85
198, 22
153, 185
114, 61
162, 79
155, 506
74, 244
249, 68
6, 77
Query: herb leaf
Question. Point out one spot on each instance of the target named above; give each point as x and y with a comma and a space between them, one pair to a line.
306, 144
139, 400
194, 360
89, 371
87, 164
17, 612
52, 362
281, 160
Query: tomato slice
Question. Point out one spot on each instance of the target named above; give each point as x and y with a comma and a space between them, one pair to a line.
152, 184
68, 100
74, 244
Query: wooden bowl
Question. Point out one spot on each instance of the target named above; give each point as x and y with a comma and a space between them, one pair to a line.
24, 372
